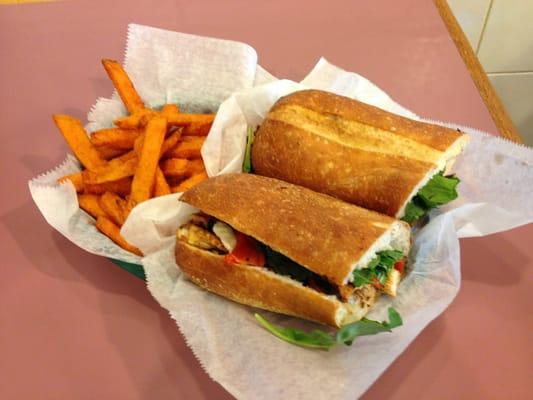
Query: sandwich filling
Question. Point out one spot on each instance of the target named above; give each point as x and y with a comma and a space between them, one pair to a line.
438, 191
383, 272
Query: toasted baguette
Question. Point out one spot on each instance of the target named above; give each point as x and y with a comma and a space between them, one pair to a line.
321, 233
351, 150
259, 287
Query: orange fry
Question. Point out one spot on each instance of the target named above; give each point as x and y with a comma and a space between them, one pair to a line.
187, 148
175, 167
161, 187
170, 109
107, 153
168, 144
187, 119
114, 207
124, 86
115, 138
78, 141
136, 120
90, 204
116, 169
137, 146
171, 141
122, 187
144, 178
195, 167
126, 156
108, 228
76, 179
189, 182
197, 129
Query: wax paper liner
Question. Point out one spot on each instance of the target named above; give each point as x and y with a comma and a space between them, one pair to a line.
251, 363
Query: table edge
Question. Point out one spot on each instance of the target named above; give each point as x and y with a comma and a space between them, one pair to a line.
497, 111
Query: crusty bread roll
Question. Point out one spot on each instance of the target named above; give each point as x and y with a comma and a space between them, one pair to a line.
259, 287
325, 235
351, 150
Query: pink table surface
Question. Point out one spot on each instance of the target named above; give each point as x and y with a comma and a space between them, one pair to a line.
73, 325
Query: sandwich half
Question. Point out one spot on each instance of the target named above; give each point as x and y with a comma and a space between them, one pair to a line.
284, 248
358, 153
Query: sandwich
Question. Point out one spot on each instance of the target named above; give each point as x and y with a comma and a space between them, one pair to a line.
284, 248
358, 153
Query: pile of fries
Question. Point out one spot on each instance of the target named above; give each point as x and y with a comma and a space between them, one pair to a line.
149, 153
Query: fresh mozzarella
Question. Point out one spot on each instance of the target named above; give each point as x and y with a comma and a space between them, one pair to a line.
226, 235
393, 280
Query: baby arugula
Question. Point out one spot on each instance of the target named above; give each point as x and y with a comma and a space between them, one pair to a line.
378, 268
438, 191
322, 340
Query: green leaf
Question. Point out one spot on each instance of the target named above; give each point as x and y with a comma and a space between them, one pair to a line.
322, 340
247, 162
348, 333
413, 211
378, 268
316, 339
438, 191
363, 276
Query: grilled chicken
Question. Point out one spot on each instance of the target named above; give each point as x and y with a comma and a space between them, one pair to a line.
200, 237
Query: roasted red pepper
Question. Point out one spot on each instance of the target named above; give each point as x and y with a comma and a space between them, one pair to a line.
400, 266
376, 283
246, 251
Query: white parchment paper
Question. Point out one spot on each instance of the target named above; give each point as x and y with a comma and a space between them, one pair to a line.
201, 74
251, 363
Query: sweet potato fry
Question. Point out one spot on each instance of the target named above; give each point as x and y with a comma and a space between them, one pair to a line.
115, 138
136, 120
126, 156
171, 141
114, 206
107, 153
187, 119
168, 144
123, 85
112, 231
175, 167
169, 110
197, 129
189, 182
195, 167
76, 179
161, 187
144, 178
90, 204
116, 169
122, 187
193, 139
188, 147
78, 141
137, 146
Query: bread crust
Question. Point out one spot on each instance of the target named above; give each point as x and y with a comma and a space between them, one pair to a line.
348, 149
261, 288
323, 234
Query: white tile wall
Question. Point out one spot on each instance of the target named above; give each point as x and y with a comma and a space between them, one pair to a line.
501, 31
471, 15
507, 43
516, 92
